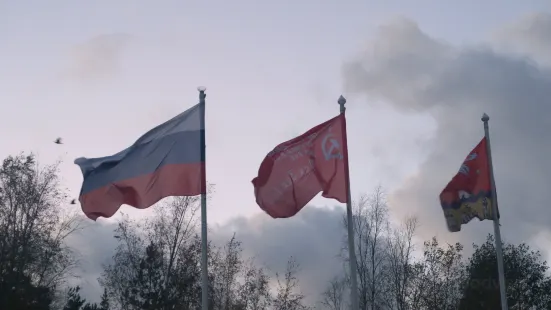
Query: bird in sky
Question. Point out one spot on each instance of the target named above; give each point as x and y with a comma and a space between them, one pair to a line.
74, 202
58, 141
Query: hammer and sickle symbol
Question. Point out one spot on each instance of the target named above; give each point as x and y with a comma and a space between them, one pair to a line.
329, 149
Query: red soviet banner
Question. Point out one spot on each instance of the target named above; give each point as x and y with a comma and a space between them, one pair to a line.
295, 171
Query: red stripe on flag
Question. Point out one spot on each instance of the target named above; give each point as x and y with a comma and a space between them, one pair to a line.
144, 191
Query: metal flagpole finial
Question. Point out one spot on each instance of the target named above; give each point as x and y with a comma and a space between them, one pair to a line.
485, 118
202, 94
341, 100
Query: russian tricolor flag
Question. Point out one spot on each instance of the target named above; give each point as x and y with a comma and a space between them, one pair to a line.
167, 161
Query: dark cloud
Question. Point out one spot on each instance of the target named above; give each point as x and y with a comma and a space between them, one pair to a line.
413, 72
98, 57
314, 237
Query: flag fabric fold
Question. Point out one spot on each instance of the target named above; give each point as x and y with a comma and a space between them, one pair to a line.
166, 161
469, 194
294, 172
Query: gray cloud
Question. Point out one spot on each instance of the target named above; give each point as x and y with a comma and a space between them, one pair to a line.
98, 57
412, 72
528, 36
94, 245
314, 237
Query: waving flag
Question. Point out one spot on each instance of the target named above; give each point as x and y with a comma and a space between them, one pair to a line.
166, 161
295, 171
469, 193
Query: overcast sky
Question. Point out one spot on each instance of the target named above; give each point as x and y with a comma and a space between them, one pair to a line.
417, 76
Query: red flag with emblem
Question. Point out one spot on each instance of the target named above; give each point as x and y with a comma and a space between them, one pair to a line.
294, 172
469, 193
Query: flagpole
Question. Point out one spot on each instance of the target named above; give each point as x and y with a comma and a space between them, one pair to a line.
204, 243
497, 233
351, 244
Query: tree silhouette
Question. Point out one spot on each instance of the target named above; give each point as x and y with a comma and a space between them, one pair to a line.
34, 260
527, 284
